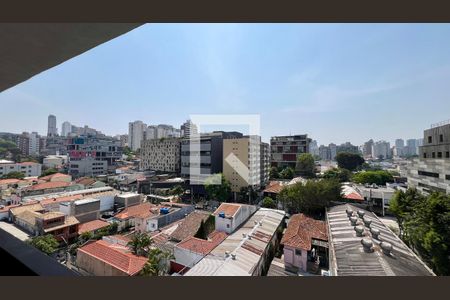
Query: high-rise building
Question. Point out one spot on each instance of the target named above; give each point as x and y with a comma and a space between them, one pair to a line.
161, 155
333, 151
241, 162
23, 143
265, 163
367, 148
314, 148
188, 128
431, 170
324, 152
285, 149
399, 143
347, 147
381, 149
34, 144
66, 128
52, 129
136, 132
411, 147
151, 132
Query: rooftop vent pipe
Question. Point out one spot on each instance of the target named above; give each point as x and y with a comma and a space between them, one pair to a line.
367, 245
359, 230
349, 212
367, 221
233, 256
227, 253
361, 213
353, 220
386, 247
375, 233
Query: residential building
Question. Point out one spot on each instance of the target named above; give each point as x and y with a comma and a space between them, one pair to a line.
189, 226
92, 226
107, 258
52, 129
29, 169
229, 216
85, 210
346, 147
127, 199
202, 157
23, 143
241, 162
265, 164
324, 152
151, 132
305, 240
412, 147
85, 131
49, 187
136, 132
167, 131
381, 149
55, 145
161, 155
361, 245
87, 166
245, 252
188, 128
285, 149
333, 151
191, 250
34, 143
66, 129
367, 149
57, 177
431, 170
123, 138
314, 148
55, 161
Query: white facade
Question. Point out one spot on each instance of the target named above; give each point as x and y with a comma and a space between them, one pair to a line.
188, 128
29, 169
33, 146
151, 132
381, 148
136, 132
229, 224
66, 129
53, 161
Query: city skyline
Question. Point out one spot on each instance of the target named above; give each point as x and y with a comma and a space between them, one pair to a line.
367, 81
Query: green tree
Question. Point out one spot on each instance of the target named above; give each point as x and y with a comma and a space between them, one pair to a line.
49, 172
287, 173
13, 175
274, 174
306, 165
158, 263
201, 232
268, 203
46, 243
220, 192
379, 177
343, 175
177, 190
349, 161
311, 197
139, 243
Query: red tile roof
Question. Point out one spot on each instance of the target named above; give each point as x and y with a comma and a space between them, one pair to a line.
9, 181
203, 246
61, 199
27, 163
92, 226
85, 181
140, 210
274, 187
49, 185
189, 226
115, 256
301, 230
49, 177
354, 196
228, 208
7, 208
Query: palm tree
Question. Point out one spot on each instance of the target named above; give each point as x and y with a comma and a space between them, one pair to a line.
158, 263
140, 243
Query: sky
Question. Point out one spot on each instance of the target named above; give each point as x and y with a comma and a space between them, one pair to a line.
334, 82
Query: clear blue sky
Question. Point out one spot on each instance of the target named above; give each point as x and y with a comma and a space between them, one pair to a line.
335, 82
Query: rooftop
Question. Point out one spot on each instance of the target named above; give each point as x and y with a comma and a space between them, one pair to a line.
189, 226
56, 175
117, 256
201, 246
48, 185
350, 259
229, 209
301, 230
260, 227
85, 181
92, 226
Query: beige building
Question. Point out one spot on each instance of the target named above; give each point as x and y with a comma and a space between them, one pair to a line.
241, 162
161, 155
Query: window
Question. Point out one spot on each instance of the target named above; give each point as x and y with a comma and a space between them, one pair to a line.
424, 155
430, 139
429, 174
441, 138
439, 154
298, 252
447, 177
433, 154
228, 225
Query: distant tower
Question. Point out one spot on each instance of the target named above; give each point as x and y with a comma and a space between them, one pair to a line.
52, 129
188, 128
66, 128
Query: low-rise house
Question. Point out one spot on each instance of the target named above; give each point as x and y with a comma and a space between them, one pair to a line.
191, 250
84, 210
92, 226
89, 183
107, 258
245, 252
60, 177
230, 215
35, 220
55, 161
13, 183
305, 239
189, 226
361, 245
127, 199
27, 168
50, 187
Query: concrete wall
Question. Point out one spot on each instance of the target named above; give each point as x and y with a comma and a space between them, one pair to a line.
164, 220
293, 261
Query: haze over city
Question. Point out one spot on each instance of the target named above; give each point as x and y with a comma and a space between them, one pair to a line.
318, 79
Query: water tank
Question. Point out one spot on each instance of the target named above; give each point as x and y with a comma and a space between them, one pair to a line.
222, 214
164, 210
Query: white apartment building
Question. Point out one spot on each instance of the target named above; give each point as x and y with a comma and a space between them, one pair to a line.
66, 128
33, 146
161, 155
52, 130
136, 132
188, 128
381, 149
29, 169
